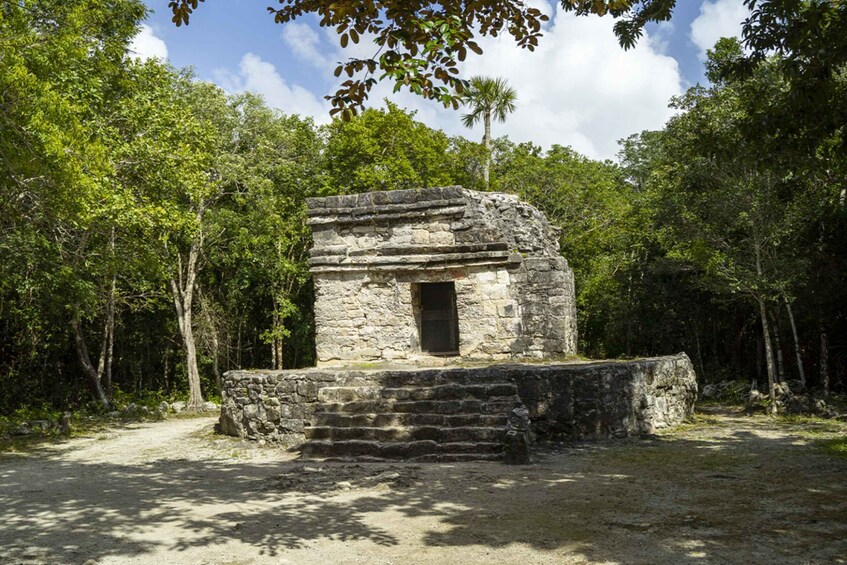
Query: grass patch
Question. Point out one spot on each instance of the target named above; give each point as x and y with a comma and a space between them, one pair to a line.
673, 458
834, 446
811, 426
693, 423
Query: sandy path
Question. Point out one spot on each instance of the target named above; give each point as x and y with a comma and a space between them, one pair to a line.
733, 490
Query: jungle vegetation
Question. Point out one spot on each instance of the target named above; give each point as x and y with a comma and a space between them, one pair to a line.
153, 235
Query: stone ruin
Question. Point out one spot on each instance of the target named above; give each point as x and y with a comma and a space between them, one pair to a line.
443, 319
411, 274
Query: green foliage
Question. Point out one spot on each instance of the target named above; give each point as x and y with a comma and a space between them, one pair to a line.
150, 399
602, 234
416, 45
384, 150
114, 173
488, 98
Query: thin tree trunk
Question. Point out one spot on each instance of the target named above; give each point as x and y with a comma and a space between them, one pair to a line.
486, 140
797, 351
92, 378
104, 367
277, 341
699, 353
216, 362
763, 313
183, 296
768, 355
165, 364
780, 365
215, 340
110, 354
278, 353
824, 363
238, 344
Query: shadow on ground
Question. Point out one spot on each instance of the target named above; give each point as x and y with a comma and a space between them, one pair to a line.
728, 493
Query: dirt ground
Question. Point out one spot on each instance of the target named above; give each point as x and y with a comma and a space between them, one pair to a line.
726, 489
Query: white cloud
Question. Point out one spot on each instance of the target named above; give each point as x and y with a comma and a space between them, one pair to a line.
578, 88
662, 35
261, 77
718, 18
305, 42
146, 45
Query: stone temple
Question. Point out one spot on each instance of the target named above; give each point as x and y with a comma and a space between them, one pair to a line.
412, 274
444, 319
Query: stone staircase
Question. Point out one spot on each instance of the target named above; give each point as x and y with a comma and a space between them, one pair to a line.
430, 416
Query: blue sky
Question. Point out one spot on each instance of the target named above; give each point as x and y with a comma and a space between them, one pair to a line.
579, 88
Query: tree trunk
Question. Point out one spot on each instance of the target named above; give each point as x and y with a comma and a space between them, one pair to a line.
699, 352
763, 313
797, 351
165, 364
780, 365
824, 363
92, 378
278, 353
104, 367
215, 361
183, 296
238, 344
213, 338
768, 355
486, 140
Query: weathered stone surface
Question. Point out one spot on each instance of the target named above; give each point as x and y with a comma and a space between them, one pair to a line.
498, 405
607, 399
514, 293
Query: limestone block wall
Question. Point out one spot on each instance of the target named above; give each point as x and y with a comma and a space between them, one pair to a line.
565, 401
514, 292
608, 398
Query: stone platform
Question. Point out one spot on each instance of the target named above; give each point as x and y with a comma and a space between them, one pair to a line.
455, 413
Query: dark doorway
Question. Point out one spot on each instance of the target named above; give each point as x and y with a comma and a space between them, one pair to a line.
439, 320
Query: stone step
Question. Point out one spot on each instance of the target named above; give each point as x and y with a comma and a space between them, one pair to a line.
392, 419
407, 433
400, 450
433, 458
457, 457
501, 405
451, 391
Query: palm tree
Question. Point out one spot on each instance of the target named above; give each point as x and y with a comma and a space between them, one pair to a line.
488, 97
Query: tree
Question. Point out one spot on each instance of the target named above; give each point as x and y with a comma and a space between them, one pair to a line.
487, 98
731, 214
174, 158
384, 150
259, 260
60, 75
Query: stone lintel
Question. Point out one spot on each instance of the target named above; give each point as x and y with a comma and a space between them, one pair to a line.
385, 208
435, 264
403, 260
372, 215
394, 250
368, 199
